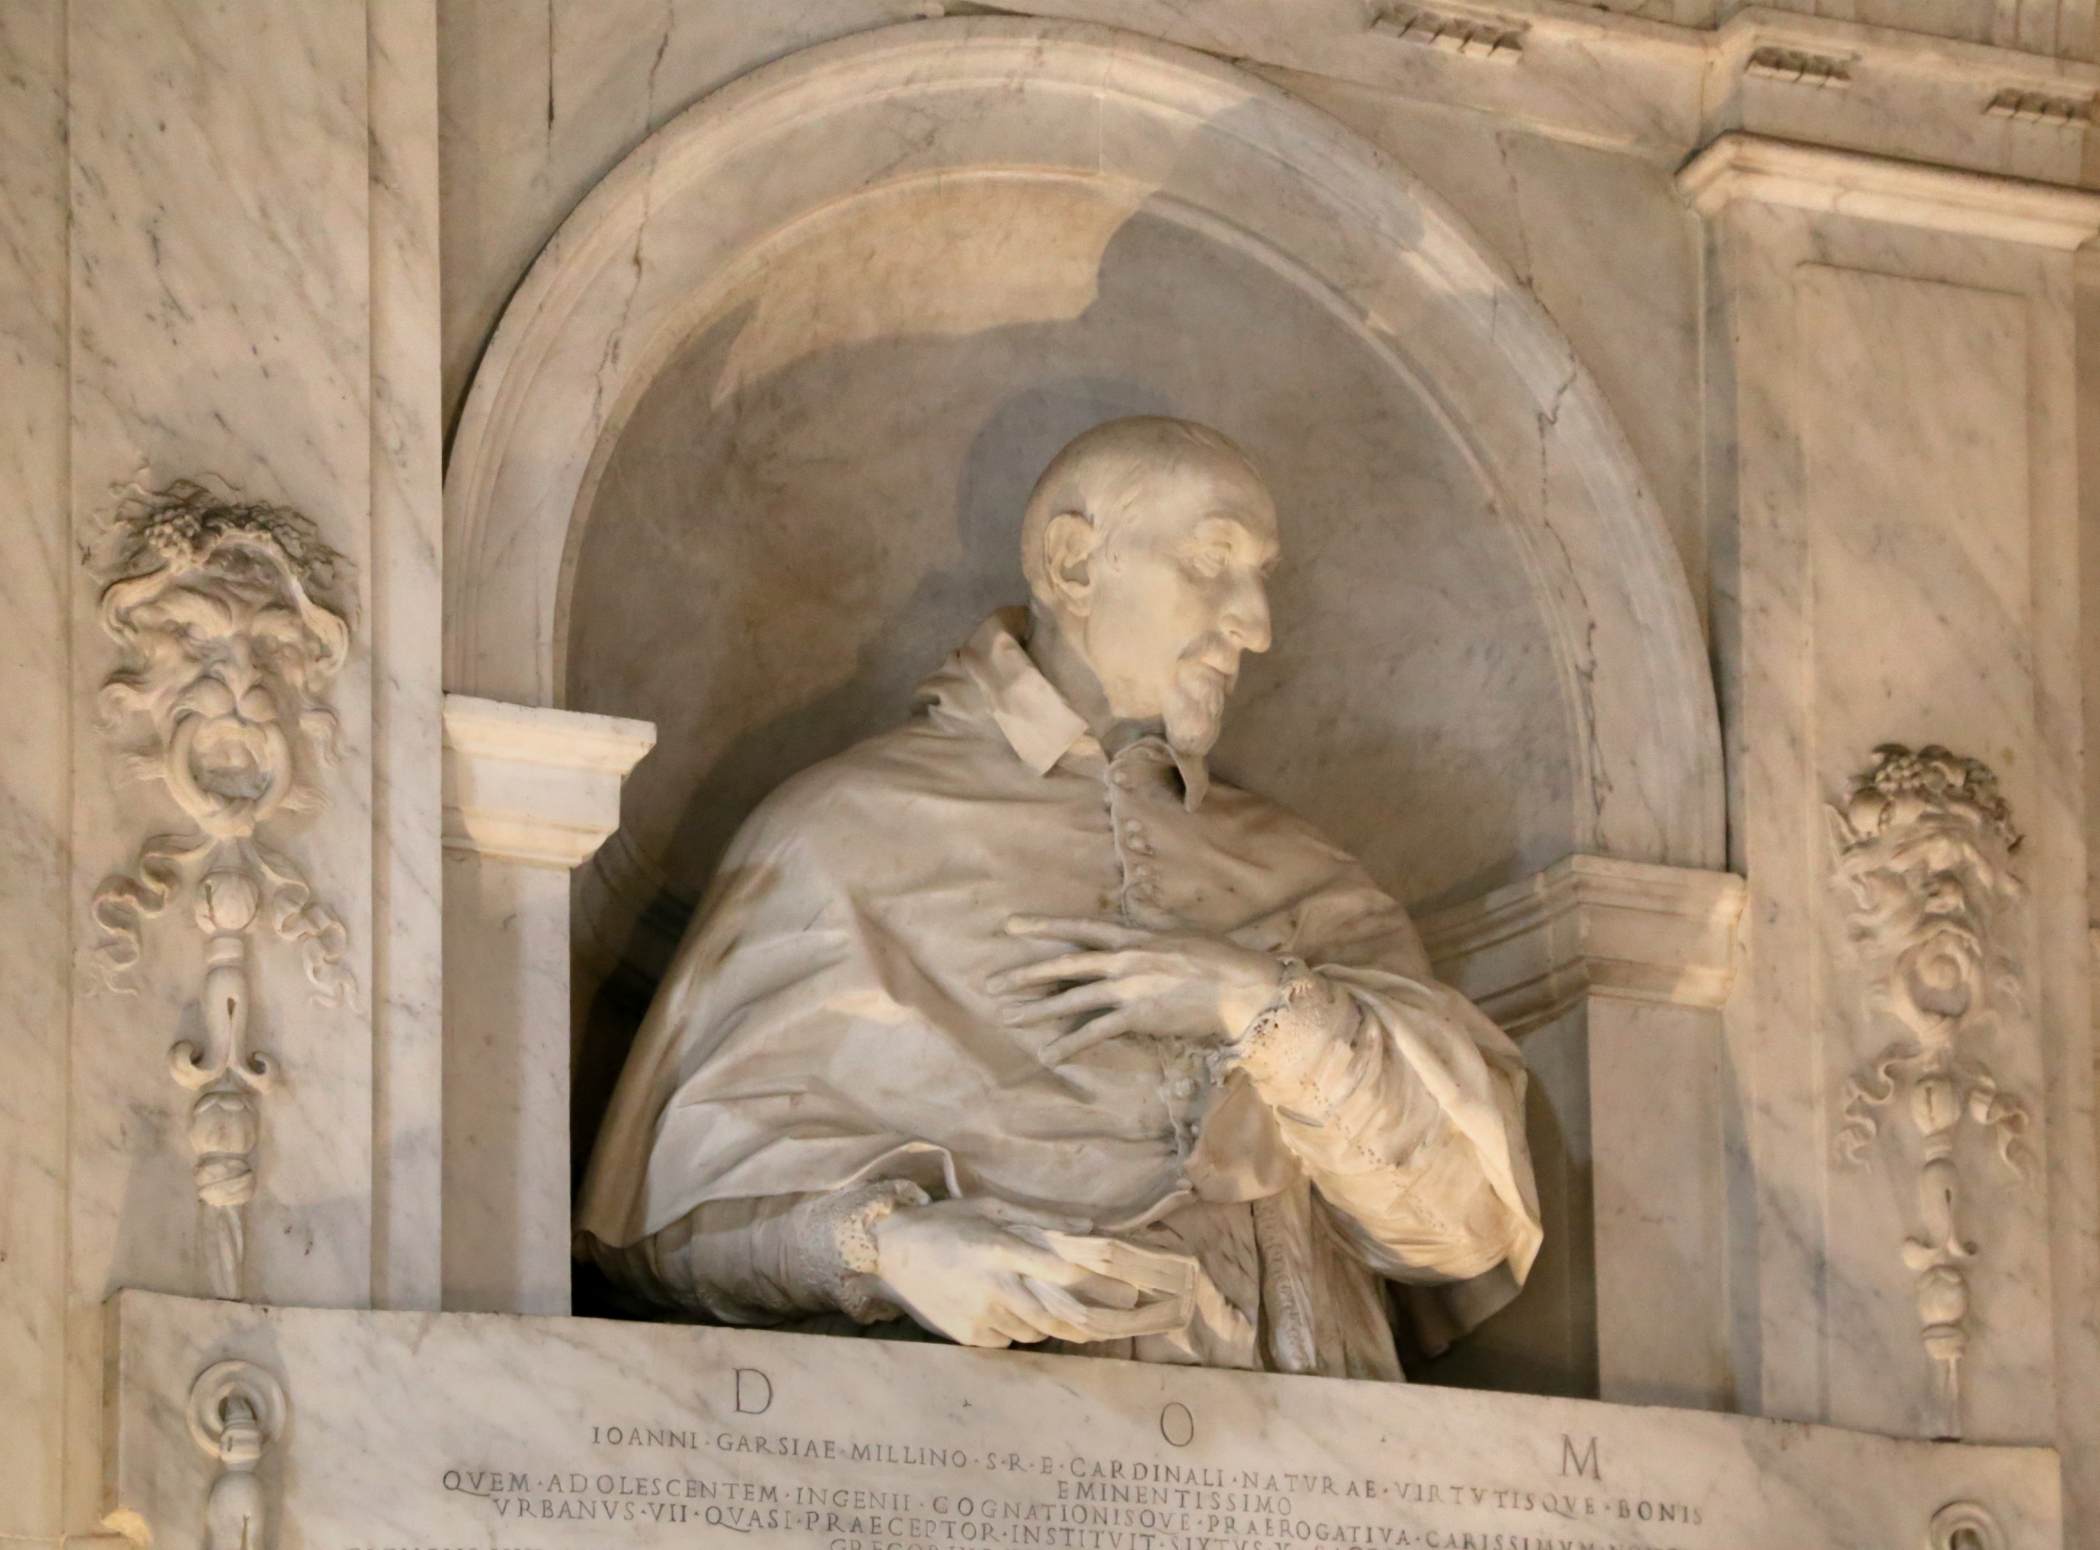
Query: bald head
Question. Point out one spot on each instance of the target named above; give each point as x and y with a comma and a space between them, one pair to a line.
1122, 468
1146, 544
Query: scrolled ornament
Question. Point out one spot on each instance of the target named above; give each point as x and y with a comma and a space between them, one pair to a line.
1964, 1526
236, 1412
227, 652
1923, 847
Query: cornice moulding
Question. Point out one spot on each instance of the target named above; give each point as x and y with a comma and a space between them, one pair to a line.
1889, 48
1590, 926
534, 785
1817, 178
1658, 89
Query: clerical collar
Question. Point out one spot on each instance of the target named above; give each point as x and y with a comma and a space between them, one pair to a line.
1037, 722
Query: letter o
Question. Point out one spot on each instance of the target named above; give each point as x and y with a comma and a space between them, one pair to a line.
1177, 1423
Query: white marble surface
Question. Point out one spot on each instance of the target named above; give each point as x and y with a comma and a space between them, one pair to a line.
812, 505
528, 793
591, 333
1613, 973
199, 204
36, 590
535, 115
532, 117
1750, 166
854, 948
1908, 579
248, 360
507, 1170
409, 1429
1591, 925
406, 634
535, 786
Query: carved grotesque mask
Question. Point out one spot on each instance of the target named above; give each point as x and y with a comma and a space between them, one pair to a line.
1924, 847
228, 658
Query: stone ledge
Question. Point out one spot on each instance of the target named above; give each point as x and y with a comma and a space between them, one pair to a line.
455, 1428
1811, 177
534, 785
1590, 925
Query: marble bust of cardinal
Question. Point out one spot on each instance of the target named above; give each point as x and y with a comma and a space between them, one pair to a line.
1013, 1026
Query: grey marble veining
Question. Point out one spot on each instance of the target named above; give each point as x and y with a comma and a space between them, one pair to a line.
460, 1429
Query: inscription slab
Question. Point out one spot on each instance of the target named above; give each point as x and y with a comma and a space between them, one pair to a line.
402, 1431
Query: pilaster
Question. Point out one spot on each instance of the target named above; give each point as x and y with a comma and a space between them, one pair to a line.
1892, 497
529, 794
221, 277
1611, 975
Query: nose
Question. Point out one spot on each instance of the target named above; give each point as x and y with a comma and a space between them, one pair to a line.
240, 672
1246, 621
235, 667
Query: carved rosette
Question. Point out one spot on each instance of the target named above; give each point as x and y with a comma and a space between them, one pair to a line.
227, 654
236, 1412
1924, 846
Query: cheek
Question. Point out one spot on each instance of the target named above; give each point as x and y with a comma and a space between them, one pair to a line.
1162, 593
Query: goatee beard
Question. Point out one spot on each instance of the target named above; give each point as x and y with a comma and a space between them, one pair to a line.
1195, 715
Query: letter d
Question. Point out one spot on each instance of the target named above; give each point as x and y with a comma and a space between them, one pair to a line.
754, 1391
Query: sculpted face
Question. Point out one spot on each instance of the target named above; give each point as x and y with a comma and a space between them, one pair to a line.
1924, 899
1925, 849
229, 663
1162, 580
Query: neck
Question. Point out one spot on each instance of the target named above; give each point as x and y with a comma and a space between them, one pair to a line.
1058, 657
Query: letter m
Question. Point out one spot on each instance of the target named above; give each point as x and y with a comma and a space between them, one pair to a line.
1582, 1463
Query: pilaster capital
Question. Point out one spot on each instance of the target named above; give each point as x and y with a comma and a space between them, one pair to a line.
535, 785
1590, 926
1739, 166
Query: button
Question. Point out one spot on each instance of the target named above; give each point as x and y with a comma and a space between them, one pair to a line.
1138, 845
1145, 874
1122, 777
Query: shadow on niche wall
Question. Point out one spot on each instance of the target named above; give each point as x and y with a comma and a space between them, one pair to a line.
819, 496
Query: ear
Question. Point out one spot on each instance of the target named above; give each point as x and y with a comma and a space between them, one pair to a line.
1069, 540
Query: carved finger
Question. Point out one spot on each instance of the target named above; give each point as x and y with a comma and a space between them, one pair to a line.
1156, 1270
1097, 996
1154, 1318
1019, 1310
1065, 1322
1083, 930
1109, 1025
1041, 1263
998, 1329
1049, 971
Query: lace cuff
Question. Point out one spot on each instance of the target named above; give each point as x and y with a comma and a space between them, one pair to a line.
1305, 1029
832, 1253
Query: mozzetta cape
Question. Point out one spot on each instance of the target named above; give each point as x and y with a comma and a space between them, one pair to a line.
825, 1022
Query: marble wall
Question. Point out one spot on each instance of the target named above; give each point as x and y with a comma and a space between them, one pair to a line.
1954, 527
221, 232
1823, 422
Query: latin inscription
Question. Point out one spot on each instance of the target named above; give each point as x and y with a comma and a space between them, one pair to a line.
653, 1482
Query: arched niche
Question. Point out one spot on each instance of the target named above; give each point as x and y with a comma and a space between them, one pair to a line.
747, 452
